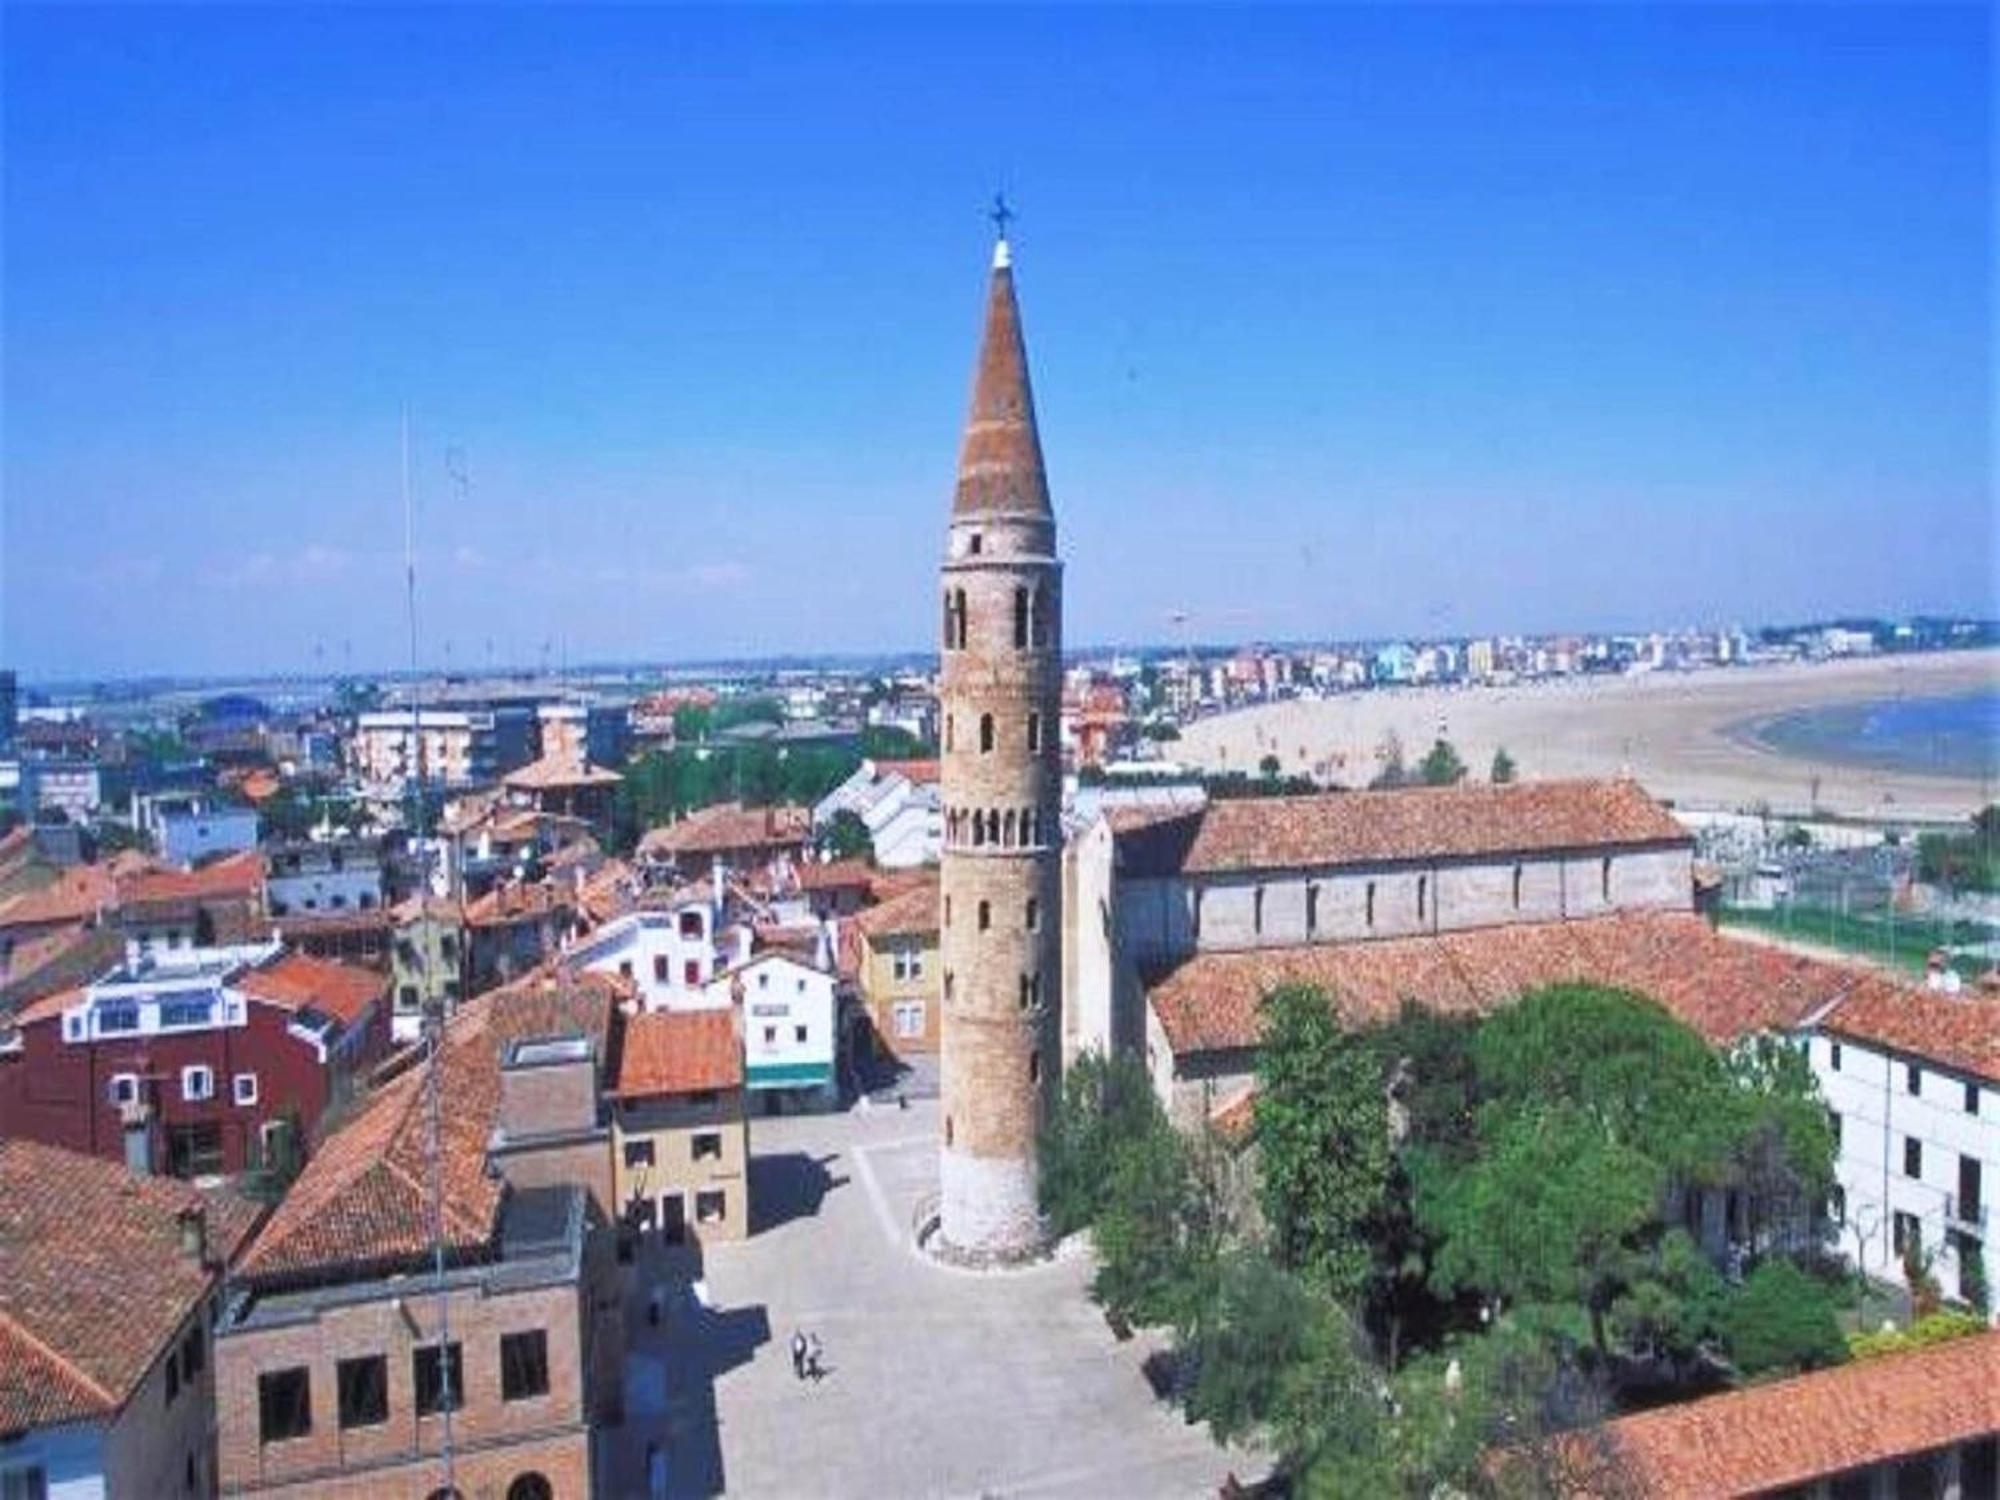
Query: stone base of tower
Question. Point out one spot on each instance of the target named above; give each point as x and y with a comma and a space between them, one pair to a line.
988, 1211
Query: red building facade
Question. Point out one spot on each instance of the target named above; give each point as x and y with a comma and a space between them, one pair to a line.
193, 1066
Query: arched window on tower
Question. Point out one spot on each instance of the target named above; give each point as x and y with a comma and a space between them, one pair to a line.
978, 829
1034, 734
1020, 619
954, 620
1007, 829
985, 915
1034, 915
1038, 620
986, 734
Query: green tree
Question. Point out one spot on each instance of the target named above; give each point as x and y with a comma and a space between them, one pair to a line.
1390, 771
692, 722
1504, 769
1441, 766
1151, 1251
1549, 1213
1323, 1140
1782, 1319
1270, 767
1103, 1105
1672, 1308
1241, 1341
891, 742
846, 836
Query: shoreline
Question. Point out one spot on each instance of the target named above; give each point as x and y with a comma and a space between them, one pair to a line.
1681, 735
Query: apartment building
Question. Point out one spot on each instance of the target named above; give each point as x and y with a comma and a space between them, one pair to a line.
107, 1284
898, 971
679, 1135
790, 1035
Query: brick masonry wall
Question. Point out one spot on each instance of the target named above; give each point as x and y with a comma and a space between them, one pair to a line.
313, 1464
999, 1058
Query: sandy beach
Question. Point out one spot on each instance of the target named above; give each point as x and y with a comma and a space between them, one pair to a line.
1685, 736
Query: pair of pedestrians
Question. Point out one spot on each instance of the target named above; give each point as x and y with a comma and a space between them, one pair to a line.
808, 1356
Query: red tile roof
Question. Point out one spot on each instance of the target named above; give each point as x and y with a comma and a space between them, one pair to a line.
555, 773
76, 895
363, 1197
679, 1052
1790, 1432
506, 904
1723, 989
1420, 823
234, 875
1959, 1031
729, 826
295, 981
921, 772
93, 1281
834, 875
914, 911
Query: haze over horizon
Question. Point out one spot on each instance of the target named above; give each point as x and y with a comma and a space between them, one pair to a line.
1344, 323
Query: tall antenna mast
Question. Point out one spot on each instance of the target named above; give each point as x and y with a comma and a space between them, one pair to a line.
433, 1015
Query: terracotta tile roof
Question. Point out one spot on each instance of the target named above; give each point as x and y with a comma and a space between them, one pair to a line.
888, 884
834, 875
555, 773
362, 1199
1723, 989
727, 826
353, 919
510, 903
920, 772
1789, 1432
92, 1278
1419, 823
914, 911
77, 894
234, 875
1959, 1031
298, 982
678, 1052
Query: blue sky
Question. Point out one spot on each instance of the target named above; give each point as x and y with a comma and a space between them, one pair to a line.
1345, 321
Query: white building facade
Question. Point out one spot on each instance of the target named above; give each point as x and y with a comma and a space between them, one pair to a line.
790, 1031
668, 954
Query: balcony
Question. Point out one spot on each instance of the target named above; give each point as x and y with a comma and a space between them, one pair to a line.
1965, 1213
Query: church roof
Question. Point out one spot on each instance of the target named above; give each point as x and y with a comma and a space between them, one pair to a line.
1000, 467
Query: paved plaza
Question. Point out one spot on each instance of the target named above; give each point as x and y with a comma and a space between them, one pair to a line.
941, 1382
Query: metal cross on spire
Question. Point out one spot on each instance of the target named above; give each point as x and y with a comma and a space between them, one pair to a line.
1001, 214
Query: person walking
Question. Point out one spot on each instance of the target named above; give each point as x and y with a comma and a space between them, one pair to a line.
798, 1355
815, 1354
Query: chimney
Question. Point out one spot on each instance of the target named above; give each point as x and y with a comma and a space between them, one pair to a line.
192, 1223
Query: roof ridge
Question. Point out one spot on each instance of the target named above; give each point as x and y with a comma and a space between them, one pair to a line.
55, 1356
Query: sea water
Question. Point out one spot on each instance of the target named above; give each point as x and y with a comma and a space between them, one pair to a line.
1957, 735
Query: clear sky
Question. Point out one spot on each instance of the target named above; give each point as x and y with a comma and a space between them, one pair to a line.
1344, 322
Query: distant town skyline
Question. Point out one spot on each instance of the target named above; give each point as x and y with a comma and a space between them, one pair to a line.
1346, 324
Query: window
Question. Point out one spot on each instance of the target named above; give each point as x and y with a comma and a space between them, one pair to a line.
1833, 1124
1312, 909
1034, 1067
708, 1145
439, 1381
1971, 1190
1913, 1157
1034, 734
1020, 619
639, 1153
530, 1486
406, 997
194, 1353
113, 1018
1836, 1204
1033, 919
197, 1083
770, 1036
1604, 878
123, 1088
909, 1018
284, 1404
1517, 887
1834, 1056
625, 968
364, 1390
1257, 910
194, 1150
173, 1368
243, 1088
661, 970
524, 1365
691, 924
908, 963
1368, 904
1972, 1098
1423, 895
31, 1483
1913, 1079
691, 973
448, 947
985, 915
1904, 1234
975, 544
186, 1012
986, 735
799, 1035
708, 1207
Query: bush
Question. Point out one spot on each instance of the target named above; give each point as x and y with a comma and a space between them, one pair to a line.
1781, 1319
1938, 1328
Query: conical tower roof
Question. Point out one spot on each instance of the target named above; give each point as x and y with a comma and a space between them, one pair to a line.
1000, 466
